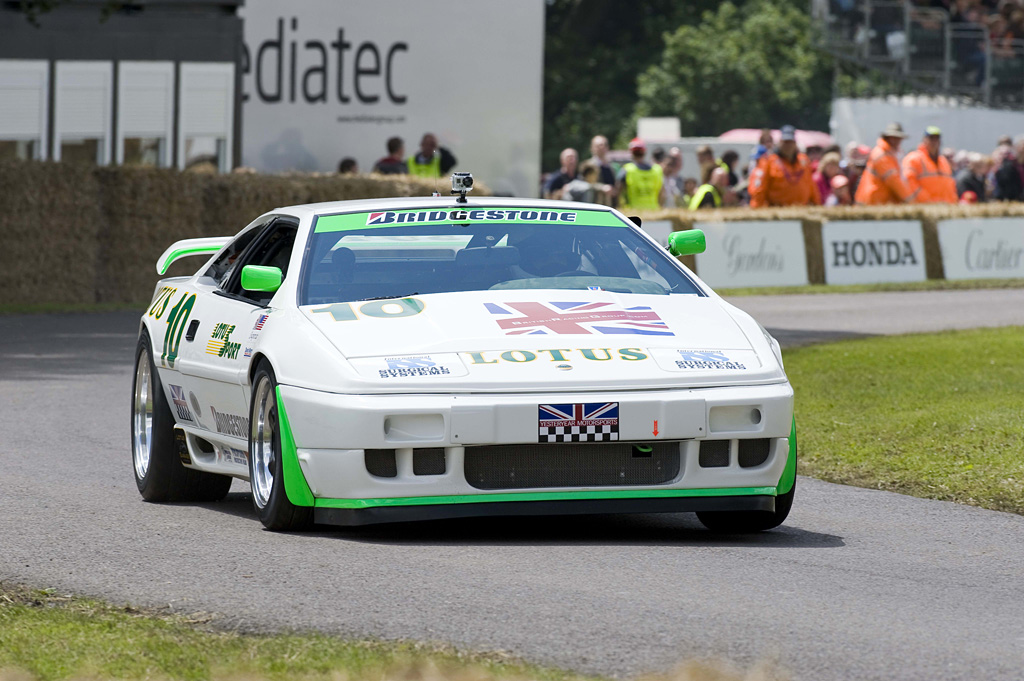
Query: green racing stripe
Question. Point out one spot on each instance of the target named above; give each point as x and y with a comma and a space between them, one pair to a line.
295, 486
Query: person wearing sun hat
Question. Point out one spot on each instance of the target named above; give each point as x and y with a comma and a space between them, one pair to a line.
784, 177
882, 182
639, 183
928, 173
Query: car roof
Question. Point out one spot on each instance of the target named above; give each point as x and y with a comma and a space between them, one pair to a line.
413, 202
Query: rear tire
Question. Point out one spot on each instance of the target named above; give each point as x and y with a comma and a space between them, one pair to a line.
159, 473
266, 468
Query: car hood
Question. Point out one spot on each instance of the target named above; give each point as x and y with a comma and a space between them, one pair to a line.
544, 340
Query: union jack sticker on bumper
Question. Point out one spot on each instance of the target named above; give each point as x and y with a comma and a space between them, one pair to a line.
588, 422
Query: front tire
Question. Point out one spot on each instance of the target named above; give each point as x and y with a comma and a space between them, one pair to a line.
159, 473
266, 468
748, 522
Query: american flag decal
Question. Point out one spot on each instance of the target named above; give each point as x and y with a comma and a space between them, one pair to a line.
593, 422
577, 318
260, 322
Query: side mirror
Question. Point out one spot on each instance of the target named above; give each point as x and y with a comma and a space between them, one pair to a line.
259, 278
687, 242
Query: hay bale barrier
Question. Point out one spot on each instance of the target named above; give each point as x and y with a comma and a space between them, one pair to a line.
81, 234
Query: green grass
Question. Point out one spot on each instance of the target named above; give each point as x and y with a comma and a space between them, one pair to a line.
45, 636
937, 415
52, 637
928, 285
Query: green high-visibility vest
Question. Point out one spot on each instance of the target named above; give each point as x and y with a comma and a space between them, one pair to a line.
701, 192
643, 187
431, 170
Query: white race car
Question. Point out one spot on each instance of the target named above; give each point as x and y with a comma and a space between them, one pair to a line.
421, 358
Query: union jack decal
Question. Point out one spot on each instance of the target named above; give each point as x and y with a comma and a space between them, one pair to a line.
577, 318
588, 422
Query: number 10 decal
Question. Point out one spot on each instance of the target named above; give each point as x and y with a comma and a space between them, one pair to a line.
176, 327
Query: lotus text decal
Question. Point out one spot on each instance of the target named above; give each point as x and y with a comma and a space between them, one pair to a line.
556, 355
577, 318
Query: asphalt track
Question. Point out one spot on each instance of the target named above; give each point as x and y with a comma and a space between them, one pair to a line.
859, 584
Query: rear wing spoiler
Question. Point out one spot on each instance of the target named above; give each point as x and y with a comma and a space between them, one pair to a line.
187, 247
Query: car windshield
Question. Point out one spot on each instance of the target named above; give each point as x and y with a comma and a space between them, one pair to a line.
360, 256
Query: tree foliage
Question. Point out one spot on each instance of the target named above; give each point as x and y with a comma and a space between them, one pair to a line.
740, 67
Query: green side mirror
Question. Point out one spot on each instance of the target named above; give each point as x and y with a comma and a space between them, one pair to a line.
259, 278
687, 242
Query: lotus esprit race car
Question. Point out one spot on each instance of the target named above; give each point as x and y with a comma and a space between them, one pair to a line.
421, 358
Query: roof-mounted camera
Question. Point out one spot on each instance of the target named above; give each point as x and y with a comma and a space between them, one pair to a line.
462, 183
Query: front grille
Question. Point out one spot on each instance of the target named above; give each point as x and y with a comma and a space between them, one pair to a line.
571, 465
754, 452
381, 462
714, 453
428, 461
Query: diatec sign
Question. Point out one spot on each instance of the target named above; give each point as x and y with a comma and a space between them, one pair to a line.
753, 253
873, 251
323, 80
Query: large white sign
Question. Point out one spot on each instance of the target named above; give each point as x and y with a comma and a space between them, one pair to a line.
324, 80
982, 248
754, 253
873, 251
658, 230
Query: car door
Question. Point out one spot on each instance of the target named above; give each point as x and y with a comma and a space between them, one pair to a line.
214, 359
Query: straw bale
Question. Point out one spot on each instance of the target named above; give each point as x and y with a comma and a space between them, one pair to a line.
48, 222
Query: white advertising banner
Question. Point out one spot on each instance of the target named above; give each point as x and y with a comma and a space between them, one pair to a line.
753, 253
873, 251
982, 248
324, 80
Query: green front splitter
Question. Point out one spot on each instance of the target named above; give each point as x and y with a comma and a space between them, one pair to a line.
401, 509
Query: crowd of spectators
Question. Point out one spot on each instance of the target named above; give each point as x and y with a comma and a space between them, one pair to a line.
779, 173
430, 160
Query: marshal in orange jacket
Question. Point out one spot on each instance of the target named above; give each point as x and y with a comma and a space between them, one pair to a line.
929, 181
776, 182
881, 182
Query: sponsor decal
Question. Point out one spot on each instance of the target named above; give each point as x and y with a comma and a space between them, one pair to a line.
182, 446
393, 217
577, 318
220, 343
257, 327
707, 359
229, 424
230, 455
409, 367
588, 422
180, 405
556, 355
247, 353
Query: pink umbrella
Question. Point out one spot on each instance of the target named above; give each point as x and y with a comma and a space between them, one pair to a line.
804, 138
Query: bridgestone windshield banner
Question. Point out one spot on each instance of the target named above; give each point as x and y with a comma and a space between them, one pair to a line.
462, 216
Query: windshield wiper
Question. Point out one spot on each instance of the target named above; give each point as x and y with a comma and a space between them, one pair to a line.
401, 295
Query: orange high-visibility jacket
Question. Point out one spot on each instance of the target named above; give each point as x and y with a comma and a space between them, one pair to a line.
881, 182
932, 181
776, 182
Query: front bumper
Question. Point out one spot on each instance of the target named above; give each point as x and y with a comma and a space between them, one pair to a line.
331, 433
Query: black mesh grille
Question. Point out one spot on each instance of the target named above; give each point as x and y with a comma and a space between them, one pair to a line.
571, 465
754, 452
381, 462
714, 453
428, 461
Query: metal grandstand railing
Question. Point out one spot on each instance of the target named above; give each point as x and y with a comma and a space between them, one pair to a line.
923, 48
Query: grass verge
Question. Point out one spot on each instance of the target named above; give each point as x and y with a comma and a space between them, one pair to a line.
935, 415
928, 285
45, 636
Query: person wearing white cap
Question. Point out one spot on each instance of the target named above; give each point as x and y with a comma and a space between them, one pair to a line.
882, 182
640, 184
928, 173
